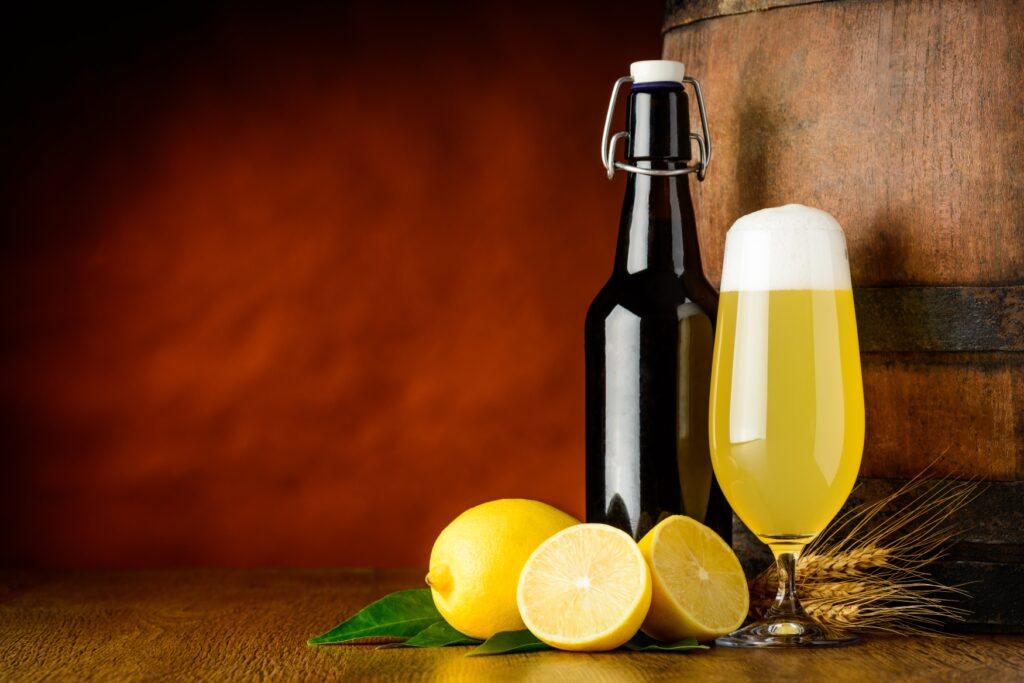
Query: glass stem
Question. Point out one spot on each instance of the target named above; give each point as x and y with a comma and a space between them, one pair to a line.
786, 603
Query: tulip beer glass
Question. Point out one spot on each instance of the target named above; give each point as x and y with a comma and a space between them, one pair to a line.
787, 403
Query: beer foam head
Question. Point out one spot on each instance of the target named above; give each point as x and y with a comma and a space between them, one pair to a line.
787, 247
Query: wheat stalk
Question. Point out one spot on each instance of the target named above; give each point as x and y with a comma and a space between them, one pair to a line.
867, 571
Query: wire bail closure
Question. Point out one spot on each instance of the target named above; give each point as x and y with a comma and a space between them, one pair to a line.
608, 143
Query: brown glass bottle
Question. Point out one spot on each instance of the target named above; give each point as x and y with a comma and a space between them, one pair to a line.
648, 339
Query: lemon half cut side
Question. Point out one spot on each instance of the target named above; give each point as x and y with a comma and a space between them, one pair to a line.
587, 588
699, 589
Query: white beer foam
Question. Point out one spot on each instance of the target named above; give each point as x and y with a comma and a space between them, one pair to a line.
786, 247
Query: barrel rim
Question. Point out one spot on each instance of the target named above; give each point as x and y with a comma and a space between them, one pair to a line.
679, 13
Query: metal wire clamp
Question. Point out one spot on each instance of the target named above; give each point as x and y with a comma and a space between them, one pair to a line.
608, 143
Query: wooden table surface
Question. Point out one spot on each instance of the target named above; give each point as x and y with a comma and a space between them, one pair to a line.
219, 625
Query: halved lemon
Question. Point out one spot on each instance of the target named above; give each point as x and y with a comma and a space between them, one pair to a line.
699, 589
587, 588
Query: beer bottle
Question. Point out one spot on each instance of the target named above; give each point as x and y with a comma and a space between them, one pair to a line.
649, 331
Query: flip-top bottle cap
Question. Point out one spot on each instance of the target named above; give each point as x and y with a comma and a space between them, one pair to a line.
659, 104
657, 71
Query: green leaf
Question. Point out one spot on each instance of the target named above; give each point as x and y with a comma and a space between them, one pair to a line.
508, 642
438, 634
642, 642
398, 615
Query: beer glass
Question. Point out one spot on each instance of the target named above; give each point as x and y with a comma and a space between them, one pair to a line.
787, 403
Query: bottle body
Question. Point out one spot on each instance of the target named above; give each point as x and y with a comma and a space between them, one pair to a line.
649, 343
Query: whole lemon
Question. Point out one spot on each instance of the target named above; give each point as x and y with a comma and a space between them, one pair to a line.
476, 561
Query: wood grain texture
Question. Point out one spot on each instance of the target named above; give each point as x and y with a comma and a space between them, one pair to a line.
252, 625
969, 408
888, 115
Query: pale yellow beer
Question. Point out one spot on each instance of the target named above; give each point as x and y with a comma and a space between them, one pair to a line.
787, 405
787, 438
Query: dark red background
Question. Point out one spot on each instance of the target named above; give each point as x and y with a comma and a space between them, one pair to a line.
295, 287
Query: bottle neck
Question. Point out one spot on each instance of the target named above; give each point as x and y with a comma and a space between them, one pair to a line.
658, 229
651, 227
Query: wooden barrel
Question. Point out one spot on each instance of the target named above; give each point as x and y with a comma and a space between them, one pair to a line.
905, 120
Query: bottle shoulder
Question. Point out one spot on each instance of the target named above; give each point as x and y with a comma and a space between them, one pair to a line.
651, 294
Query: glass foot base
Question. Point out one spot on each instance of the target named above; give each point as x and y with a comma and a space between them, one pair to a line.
789, 631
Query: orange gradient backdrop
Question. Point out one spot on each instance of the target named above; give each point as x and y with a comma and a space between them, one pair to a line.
296, 289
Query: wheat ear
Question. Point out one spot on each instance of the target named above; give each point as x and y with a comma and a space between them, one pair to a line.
867, 571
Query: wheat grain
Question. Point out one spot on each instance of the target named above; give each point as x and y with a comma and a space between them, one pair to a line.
837, 590
834, 614
840, 565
